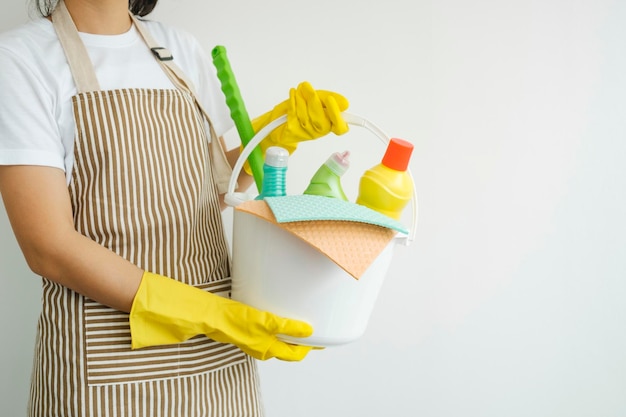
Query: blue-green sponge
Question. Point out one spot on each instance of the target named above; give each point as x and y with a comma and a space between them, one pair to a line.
299, 208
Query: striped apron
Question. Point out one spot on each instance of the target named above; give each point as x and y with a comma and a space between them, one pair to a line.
143, 186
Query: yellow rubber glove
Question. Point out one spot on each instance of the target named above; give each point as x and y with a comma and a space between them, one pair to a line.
311, 114
167, 311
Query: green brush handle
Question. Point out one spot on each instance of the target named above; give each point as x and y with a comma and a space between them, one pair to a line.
238, 111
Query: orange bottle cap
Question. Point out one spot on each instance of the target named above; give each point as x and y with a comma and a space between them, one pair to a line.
398, 154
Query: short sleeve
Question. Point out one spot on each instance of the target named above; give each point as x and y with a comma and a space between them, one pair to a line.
29, 131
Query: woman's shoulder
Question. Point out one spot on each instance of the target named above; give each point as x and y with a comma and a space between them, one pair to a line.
31, 51
33, 36
32, 47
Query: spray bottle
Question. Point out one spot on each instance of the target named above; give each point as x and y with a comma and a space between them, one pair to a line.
326, 181
388, 187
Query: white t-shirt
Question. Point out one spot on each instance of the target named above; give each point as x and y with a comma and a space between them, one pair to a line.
36, 86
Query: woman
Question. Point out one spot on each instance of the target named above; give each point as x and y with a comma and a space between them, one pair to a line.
111, 172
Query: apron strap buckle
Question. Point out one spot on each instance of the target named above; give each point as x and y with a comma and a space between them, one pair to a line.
162, 54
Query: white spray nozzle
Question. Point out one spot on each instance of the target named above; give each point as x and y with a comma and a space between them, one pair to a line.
339, 162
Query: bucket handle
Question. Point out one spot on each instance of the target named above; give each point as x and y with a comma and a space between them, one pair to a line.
233, 198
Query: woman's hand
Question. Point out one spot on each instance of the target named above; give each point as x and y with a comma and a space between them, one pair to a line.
311, 114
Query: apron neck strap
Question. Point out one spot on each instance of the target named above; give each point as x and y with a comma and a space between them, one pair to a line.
77, 57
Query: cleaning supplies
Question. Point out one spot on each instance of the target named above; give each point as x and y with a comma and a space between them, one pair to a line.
274, 173
388, 187
327, 180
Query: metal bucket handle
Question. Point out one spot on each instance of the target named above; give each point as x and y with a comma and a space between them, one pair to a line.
233, 198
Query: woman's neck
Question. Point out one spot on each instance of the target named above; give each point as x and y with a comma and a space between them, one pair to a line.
100, 17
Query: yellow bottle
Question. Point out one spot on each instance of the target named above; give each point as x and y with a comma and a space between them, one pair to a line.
388, 187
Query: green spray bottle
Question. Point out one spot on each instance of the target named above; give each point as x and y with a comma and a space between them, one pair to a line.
327, 180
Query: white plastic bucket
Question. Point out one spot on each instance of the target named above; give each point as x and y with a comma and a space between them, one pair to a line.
274, 270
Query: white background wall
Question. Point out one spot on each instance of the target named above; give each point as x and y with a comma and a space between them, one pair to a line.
511, 300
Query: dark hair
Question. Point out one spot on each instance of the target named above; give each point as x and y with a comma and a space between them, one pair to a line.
137, 7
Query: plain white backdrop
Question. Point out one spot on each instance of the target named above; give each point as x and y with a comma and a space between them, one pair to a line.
510, 303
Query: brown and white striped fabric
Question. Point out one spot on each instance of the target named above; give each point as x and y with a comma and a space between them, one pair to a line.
142, 187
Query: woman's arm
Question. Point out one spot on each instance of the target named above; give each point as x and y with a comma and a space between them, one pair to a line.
39, 209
